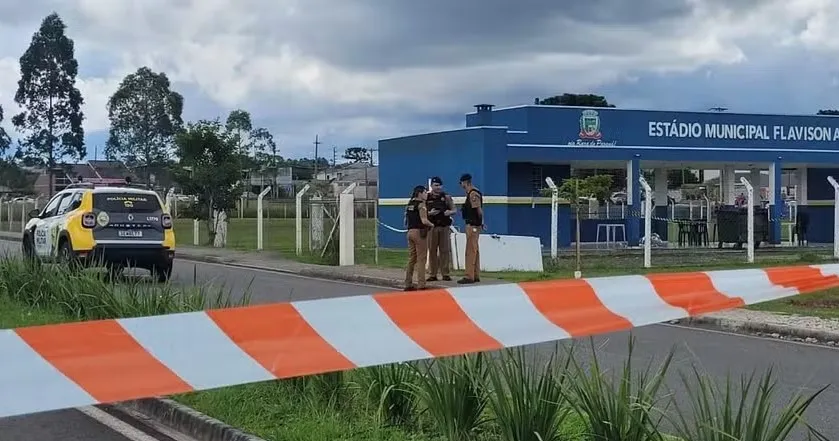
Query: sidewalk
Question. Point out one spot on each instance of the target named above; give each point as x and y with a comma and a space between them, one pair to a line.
269, 261
782, 326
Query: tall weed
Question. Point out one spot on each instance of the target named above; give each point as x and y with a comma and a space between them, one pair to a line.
621, 406
453, 392
527, 398
389, 390
82, 295
743, 412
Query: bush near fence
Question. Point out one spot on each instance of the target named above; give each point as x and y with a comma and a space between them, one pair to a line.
528, 394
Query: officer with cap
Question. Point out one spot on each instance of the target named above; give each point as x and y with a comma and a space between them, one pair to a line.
440, 212
473, 217
417, 223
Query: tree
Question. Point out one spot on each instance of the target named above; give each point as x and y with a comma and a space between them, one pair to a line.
209, 168
829, 112
52, 117
574, 189
357, 154
145, 116
239, 125
576, 100
14, 177
265, 148
5, 140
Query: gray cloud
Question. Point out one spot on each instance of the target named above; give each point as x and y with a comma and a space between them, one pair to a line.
355, 71
375, 35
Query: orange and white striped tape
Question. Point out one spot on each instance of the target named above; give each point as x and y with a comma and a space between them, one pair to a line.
78, 364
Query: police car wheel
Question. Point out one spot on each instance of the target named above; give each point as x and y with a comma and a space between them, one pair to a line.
28, 249
66, 255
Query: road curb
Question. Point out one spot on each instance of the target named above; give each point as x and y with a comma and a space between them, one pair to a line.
320, 274
187, 420
772, 329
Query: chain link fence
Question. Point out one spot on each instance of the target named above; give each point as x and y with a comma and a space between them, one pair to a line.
319, 232
686, 235
14, 214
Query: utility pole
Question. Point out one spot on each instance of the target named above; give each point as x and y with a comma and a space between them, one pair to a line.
315, 172
334, 156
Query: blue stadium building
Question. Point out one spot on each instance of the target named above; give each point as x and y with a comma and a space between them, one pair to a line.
510, 151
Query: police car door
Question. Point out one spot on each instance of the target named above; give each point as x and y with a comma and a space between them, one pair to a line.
44, 240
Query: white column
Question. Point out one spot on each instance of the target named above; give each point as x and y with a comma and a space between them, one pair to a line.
801, 191
729, 193
750, 220
346, 226
660, 187
772, 184
630, 184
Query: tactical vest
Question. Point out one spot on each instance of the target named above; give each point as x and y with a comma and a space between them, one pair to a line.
440, 203
470, 213
412, 214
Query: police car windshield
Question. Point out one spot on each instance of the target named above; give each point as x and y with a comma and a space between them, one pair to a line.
126, 202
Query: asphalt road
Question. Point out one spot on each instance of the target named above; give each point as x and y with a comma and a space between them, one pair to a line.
799, 367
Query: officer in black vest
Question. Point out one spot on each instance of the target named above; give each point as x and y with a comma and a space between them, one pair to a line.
440, 212
417, 223
473, 217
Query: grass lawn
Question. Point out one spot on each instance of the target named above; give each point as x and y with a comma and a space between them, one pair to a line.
824, 304
15, 315
278, 235
275, 411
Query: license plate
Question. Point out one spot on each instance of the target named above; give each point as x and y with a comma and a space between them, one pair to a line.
130, 233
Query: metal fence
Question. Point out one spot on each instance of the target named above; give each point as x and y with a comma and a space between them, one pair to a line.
690, 233
14, 214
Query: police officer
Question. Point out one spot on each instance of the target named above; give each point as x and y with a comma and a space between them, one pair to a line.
417, 223
473, 216
440, 212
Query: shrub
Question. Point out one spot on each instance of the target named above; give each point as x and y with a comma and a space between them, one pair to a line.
527, 399
86, 295
389, 391
740, 413
619, 407
453, 392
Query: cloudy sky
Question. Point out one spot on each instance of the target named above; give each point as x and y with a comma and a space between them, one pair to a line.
355, 71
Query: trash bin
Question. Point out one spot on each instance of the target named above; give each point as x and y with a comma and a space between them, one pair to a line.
730, 226
761, 225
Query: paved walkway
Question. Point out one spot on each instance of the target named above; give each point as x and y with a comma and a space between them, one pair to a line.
391, 277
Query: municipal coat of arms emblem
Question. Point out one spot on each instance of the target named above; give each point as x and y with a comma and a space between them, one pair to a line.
590, 125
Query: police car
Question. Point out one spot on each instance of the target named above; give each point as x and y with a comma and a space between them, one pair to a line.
103, 222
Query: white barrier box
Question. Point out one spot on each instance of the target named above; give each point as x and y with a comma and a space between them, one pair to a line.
500, 253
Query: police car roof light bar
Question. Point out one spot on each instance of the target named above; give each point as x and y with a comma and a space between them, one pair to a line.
104, 182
